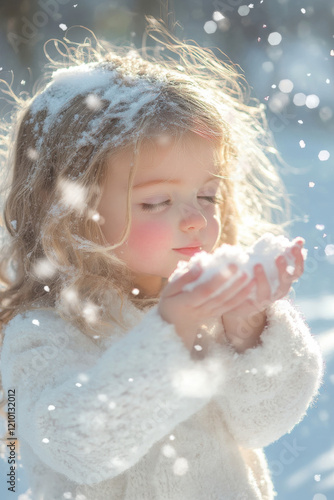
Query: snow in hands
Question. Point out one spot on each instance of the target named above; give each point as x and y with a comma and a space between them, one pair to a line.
264, 251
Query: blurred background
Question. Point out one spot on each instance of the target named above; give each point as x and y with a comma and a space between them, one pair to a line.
286, 50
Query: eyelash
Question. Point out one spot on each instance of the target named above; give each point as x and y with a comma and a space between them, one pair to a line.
149, 207
211, 199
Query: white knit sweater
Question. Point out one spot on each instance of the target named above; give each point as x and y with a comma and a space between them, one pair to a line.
136, 417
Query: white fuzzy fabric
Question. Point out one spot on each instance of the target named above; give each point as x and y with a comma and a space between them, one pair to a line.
135, 417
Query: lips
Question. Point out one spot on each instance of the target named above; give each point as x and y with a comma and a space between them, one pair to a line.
188, 250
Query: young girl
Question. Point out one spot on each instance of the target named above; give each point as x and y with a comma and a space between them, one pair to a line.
128, 387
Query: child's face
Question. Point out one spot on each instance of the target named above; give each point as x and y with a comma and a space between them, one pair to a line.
173, 214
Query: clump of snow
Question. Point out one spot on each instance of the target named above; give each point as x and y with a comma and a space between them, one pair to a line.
264, 251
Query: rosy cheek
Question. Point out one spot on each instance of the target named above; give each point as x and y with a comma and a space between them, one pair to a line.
150, 237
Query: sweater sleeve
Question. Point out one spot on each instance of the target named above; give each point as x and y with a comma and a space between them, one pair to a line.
91, 415
268, 388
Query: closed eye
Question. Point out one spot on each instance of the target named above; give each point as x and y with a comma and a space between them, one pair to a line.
150, 207
211, 199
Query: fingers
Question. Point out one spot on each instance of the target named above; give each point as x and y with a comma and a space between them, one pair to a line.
299, 262
226, 294
203, 292
174, 287
284, 278
263, 290
233, 303
236, 292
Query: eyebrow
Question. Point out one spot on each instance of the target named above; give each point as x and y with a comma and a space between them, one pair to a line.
169, 181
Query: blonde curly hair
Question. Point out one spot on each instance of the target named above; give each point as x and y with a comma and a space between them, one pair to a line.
99, 100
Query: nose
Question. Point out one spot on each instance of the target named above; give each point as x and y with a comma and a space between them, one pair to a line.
192, 219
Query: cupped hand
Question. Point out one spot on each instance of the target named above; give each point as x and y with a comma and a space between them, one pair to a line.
188, 310
244, 324
263, 295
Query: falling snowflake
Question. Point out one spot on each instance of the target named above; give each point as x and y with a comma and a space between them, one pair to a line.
210, 27
285, 86
198, 347
217, 16
90, 312
102, 397
243, 10
299, 99
96, 217
271, 370
43, 268
93, 102
275, 38
32, 154
180, 467
329, 250
72, 194
83, 377
312, 101
168, 451
323, 155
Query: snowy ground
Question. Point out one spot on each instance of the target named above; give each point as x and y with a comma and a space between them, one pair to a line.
302, 462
